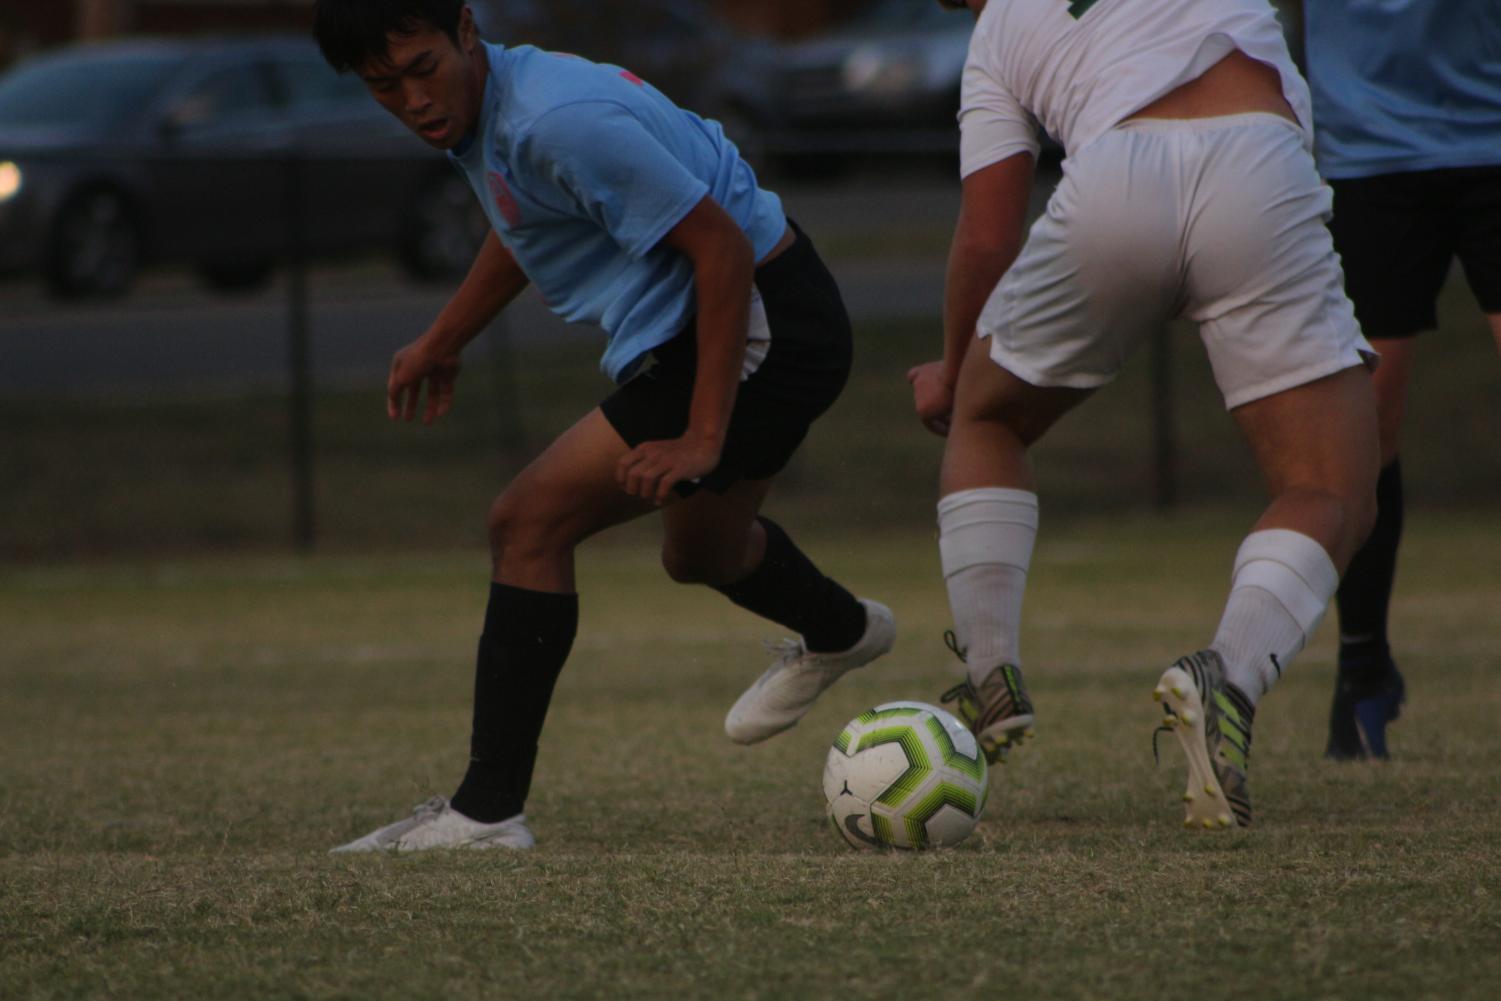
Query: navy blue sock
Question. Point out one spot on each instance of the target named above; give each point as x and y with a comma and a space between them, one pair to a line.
1365, 591
790, 591
527, 638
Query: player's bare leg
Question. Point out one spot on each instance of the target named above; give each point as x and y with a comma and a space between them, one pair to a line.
715, 539
987, 523
1317, 448
562, 497
997, 418
1390, 381
1369, 689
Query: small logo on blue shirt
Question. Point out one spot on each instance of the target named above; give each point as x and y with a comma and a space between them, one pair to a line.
504, 200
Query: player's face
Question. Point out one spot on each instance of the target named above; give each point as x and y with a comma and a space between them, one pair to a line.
433, 85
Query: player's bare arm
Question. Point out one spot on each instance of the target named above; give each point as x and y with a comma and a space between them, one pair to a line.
494, 280
987, 238
723, 269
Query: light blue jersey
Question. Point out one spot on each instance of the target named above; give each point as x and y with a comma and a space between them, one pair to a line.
1402, 85
582, 169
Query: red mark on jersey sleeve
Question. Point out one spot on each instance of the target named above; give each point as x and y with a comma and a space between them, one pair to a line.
633, 78
504, 200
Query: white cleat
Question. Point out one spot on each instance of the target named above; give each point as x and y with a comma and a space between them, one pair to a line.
436, 824
788, 689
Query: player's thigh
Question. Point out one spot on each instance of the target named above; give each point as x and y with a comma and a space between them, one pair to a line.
568, 492
997, 416
989, 393
1318, 436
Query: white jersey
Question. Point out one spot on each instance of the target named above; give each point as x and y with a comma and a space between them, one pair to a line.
1080, 67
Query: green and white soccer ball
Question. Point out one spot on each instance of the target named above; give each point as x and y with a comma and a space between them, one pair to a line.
905, 775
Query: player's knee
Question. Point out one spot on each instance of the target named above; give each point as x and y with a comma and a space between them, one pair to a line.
499, 526
518, 529
1016, 427
1349, 513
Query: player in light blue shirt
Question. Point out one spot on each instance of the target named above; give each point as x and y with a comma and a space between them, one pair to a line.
1407, 119
725, 331
1403, 85
585, 220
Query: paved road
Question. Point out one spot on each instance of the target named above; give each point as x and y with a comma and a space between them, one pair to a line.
883, 234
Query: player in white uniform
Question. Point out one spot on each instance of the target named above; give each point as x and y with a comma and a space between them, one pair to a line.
1188, 190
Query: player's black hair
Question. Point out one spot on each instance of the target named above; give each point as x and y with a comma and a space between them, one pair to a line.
352, 33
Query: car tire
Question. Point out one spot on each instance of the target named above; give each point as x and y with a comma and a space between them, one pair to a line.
444, 229
236, 277
94, 249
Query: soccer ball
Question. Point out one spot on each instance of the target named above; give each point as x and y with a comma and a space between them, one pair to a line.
905, 775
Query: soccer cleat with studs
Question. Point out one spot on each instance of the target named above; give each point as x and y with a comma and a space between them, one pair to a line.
1212, 721
997, 711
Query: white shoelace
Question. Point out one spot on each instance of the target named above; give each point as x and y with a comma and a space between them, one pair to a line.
786, 650
431, 808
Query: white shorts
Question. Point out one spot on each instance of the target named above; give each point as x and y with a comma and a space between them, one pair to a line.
1218, 220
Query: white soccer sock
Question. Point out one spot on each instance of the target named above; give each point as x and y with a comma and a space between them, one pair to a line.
1282, 584
985, 541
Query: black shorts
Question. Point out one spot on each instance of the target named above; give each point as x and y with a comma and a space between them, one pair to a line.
1397, 235
804, 371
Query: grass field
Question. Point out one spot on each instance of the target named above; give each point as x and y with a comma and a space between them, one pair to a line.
185, 739
189, 718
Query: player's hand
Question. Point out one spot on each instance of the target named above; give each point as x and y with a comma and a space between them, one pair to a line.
413, 366
653, 468
932, 395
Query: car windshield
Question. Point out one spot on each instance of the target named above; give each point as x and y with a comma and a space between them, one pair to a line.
81, 89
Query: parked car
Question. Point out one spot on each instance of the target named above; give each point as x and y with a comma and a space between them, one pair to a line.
678, 46
114, 155
885, 81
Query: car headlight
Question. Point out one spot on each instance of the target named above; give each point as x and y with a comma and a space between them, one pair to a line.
10, 180
877, 70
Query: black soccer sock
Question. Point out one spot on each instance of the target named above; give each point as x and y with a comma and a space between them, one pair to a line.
527, 637
1366, 590
790, 591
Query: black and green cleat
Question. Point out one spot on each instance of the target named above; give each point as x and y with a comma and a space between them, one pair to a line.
1212, 721
998, 712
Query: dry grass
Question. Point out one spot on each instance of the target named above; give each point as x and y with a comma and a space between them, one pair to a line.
185, 739
185, 735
